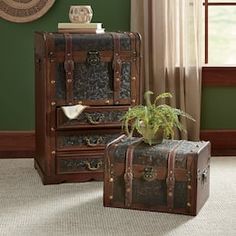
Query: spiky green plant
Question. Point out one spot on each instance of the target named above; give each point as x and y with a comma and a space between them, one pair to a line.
153, 119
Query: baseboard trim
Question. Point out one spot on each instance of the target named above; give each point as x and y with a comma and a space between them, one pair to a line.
223, 142
21, 144
17, 144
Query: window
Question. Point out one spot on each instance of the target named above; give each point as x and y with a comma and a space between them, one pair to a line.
220, 32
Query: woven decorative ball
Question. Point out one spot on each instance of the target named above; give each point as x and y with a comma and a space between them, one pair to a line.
21, 11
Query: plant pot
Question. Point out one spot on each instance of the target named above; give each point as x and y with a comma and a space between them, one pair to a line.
150, 136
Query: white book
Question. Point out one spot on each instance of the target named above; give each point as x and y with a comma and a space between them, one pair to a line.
79, 25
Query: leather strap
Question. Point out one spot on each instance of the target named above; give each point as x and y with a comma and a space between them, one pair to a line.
128, 176
170, 180
117, 63
69, 68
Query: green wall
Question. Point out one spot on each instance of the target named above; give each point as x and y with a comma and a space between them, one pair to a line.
16, 55
218, 108
17, 68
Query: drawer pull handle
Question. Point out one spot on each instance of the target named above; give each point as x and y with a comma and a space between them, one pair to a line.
93, 144
92, 166
92, 121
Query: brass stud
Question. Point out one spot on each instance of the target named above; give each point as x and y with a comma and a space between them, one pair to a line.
188, 204
53, 81
111, 180
52, 129
107, 102
53, 152
51, 60
80, 102
118, 79
133, 100
134, 78
189, 186
69, 80
128, 190
53, 103
111, 197
189, 179
117, 102
171, 172
170, 194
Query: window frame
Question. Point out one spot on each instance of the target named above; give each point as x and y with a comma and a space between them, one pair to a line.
207, 4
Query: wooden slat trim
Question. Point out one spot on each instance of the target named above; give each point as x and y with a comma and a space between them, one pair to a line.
219, 76
17, 144
223, 142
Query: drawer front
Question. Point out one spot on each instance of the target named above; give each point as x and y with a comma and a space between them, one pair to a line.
85, 140
79, 163
92, 117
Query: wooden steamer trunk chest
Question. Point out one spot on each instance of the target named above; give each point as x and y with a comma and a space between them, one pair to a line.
169, 177
101, 71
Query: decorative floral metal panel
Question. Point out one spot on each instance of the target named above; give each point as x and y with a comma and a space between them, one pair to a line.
93, 82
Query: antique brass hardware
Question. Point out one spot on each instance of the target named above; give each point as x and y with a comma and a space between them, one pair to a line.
93, 165
149, 174
92, 121
69, 65
91, 143
93, 58
203, 175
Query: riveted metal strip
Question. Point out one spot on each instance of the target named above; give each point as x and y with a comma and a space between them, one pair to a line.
52, 103
69, 68
117, 64
134, 74
190, 189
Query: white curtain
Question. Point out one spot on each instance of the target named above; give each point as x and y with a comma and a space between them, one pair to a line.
171, 39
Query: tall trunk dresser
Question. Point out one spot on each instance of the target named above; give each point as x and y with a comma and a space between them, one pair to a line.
99, 71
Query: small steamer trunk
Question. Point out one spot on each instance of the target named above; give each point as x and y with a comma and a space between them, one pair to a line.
100, 71
169, 177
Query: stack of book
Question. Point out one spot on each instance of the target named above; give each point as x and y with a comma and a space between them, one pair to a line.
90, 28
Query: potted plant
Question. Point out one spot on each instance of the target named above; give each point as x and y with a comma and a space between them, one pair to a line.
154, 121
